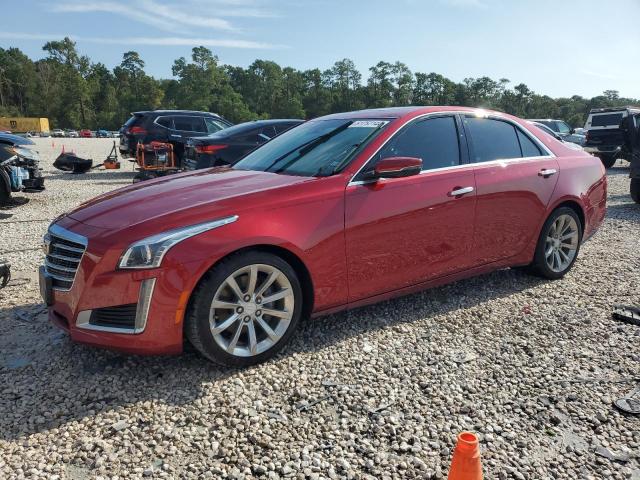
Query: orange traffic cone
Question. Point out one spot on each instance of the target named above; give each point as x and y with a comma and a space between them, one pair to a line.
63, 149
465, 464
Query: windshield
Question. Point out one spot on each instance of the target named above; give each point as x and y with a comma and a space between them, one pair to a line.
317, 148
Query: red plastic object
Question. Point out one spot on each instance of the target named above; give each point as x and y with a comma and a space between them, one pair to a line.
465, 464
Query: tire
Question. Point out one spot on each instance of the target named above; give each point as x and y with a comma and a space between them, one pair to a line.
233, 323
548, 266
5, 187
634, 189
608, 160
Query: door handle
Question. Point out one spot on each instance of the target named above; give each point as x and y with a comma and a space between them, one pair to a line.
547, 172
460, 191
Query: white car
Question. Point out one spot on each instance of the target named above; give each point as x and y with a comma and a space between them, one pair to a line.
73, 134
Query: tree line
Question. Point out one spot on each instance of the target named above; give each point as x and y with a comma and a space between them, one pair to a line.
74, 92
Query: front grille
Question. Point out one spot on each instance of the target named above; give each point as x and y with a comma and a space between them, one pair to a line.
63, 258
122, 316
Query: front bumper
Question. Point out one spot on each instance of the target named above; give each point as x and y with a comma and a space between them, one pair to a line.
158, 298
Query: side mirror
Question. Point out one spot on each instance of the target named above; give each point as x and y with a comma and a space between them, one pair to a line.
396, 167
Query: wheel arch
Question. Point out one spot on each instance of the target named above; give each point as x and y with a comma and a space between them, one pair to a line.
290, 257
576, 207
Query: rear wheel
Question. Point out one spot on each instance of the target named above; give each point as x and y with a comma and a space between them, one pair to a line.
245, 310
558, 245
635, 189
608, 160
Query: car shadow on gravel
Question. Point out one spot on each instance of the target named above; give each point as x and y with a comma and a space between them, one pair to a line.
48, 381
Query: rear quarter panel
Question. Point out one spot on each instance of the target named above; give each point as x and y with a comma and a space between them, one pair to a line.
583, 180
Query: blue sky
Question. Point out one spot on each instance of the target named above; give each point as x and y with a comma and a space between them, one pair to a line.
556, 47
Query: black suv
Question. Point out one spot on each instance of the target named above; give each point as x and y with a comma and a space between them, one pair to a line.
610, 133
173, 126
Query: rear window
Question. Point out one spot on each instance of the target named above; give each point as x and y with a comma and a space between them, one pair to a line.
132, 120
606, 120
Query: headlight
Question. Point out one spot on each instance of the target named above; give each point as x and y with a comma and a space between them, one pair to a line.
26, 153
149, 252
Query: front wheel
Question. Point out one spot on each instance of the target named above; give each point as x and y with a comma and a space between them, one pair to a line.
635, 189
245, 309
558, 245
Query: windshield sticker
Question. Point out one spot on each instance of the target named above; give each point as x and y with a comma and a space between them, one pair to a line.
368, 123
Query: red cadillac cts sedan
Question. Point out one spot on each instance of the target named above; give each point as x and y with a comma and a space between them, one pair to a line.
341, 211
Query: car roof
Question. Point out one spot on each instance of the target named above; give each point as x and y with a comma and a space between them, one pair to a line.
399, 112
545, 120
614, 109
175, 112
15, 139
241, 128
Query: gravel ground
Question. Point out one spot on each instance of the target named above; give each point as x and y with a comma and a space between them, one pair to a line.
532, 366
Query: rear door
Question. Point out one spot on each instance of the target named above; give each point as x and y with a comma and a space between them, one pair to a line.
515, 178
403, 231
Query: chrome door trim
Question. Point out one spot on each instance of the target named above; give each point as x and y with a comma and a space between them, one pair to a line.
461, 191
529, 135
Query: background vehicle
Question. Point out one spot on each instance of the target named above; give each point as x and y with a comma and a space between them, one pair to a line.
73, 134
19, 167
58, 132
103, 134
84, 133
228, 146
340, 211
562, 128
555, 135
24, 124
609, 133
173, 126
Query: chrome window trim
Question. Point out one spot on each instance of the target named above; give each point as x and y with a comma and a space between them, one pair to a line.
533, 138
455, 167
145, 295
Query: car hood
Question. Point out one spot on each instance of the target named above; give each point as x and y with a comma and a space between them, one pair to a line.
186, 198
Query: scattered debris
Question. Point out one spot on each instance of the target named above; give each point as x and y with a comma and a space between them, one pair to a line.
5, 273
614, 457
464, 357
70, 162
306, 406
367, 348
629, 403
112, 162
627, 314
381, 408
120, 425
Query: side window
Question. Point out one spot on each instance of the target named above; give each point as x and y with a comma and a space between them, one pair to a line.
213, 125
164, 122
563, 128
189, 124
529, 149
434, 140
269, 132
283, 127
492, 139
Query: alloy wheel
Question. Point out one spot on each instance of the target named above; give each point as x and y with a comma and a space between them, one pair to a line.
561, 243
251, 310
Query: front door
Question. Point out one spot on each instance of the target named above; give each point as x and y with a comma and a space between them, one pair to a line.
403, 231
